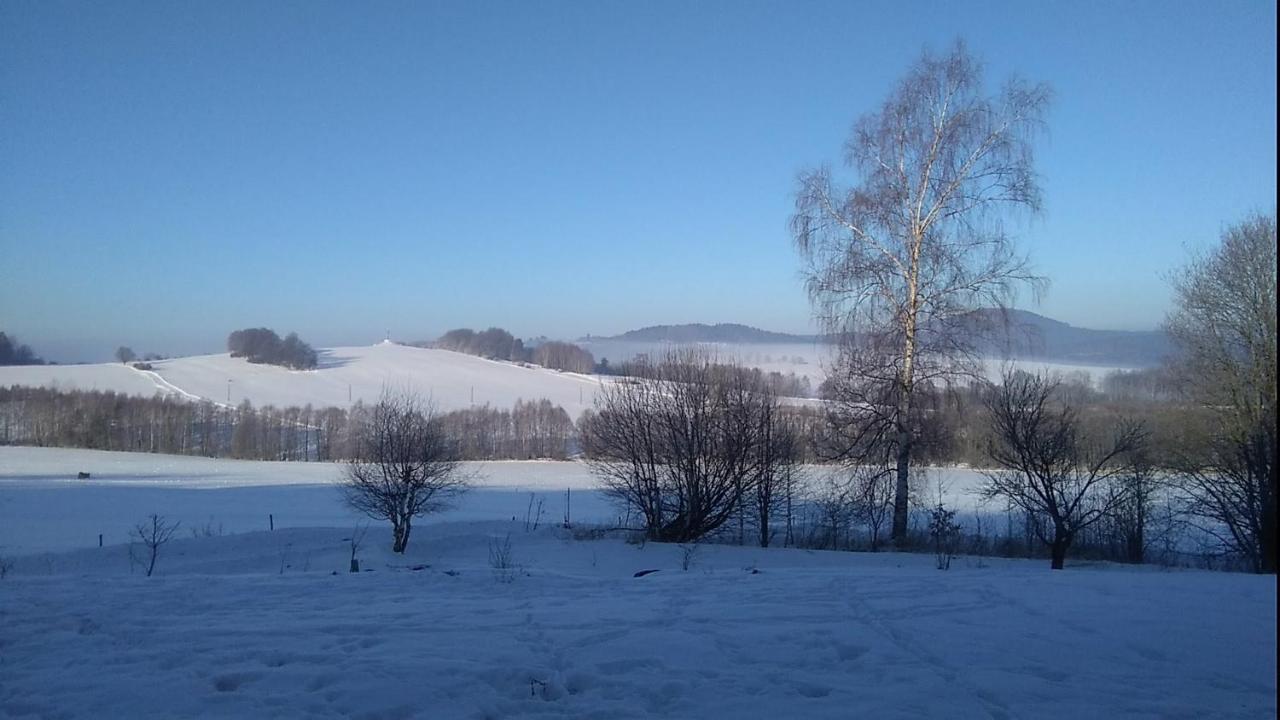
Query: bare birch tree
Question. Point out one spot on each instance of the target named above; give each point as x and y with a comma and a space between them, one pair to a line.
899, 263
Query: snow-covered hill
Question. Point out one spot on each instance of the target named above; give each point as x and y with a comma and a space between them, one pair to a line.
346, 374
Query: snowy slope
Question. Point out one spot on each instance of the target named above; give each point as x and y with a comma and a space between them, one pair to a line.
452, 380
105, 376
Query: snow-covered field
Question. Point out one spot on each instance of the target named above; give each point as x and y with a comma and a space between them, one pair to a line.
269, 624
45, 507
452, 380
257, 623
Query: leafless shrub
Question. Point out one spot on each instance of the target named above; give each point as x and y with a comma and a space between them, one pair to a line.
502, 560
944, 531
682, 445
355, 541
834, 501
872, 488
153, 534
206, 530
688, 553
533, 513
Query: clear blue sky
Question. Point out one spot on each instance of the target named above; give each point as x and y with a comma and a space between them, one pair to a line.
171, 171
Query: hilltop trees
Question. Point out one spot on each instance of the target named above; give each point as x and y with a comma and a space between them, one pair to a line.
563, 356
13, 352
262, 345
125, 354
897, 262
494, 343
1224, 325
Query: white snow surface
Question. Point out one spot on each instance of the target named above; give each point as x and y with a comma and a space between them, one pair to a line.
259, 625
270, 623
44, 507
451, 380
42, 513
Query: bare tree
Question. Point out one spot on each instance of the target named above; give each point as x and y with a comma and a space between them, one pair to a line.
1224, 325
153, 533
834, 501
679, 443
1047, 466
899, 263
405, 465
125, 354
356, 540
1136, 488
873, 490
779, 450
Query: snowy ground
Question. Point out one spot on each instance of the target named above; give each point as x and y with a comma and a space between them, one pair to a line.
258, 625
45, 507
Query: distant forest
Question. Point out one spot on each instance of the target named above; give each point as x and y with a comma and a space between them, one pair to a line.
95, 420
13, 352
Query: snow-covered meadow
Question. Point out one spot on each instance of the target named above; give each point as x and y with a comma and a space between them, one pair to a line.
451, 380
46, 508
254, 623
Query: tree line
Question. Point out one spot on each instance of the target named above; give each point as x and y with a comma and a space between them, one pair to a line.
498, 344
97, 420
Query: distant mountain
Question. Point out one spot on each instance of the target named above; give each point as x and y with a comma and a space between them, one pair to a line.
702, 333
1035, 337
1029, 336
